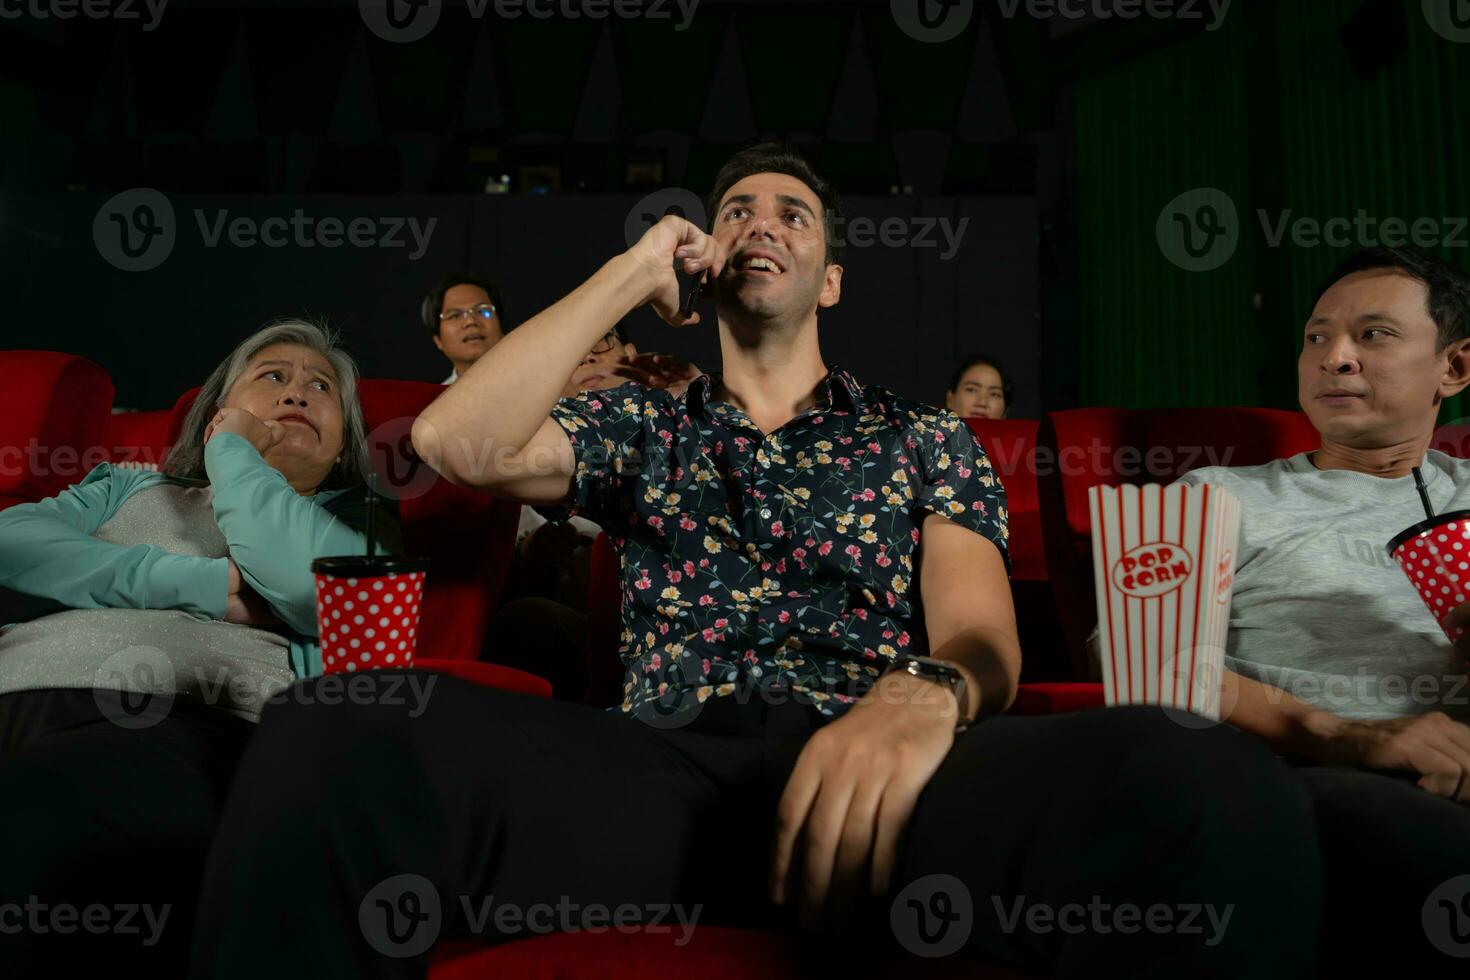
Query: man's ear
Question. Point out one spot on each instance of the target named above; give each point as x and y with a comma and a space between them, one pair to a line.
630, 349
438, 343
949, 401
1457, 369
831, 287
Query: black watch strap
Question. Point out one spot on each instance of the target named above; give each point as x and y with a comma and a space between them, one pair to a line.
942, 672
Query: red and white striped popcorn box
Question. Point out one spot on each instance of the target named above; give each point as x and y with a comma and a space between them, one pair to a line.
1164, 563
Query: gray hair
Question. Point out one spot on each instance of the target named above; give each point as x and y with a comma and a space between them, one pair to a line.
186, 458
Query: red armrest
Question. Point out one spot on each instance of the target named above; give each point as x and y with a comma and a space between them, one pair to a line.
490, 675
1051, 699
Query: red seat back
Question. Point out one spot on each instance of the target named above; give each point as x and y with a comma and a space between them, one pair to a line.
1112, 446
467, 535
1010, 444
180, 412
52, 410
1452, 439
138, 438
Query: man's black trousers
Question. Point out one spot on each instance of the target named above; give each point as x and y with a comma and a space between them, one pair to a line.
1092, 843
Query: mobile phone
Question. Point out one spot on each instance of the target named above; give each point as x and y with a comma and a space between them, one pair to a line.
686, 310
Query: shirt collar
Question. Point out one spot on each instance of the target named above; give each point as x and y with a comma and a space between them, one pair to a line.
839, 390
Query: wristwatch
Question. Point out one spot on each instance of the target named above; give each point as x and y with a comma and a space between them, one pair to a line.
941, 672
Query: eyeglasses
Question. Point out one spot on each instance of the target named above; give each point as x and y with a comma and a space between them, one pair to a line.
608, 342
485, 312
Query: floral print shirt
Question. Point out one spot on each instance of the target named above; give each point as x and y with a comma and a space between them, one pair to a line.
782, 559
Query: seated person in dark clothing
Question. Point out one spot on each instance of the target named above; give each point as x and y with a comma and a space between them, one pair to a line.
820, 650
186, 601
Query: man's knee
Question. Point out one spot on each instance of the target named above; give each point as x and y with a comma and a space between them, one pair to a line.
1173, 754
327, 739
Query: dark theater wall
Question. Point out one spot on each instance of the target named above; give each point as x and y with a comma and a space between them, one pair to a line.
935, 278
265, 107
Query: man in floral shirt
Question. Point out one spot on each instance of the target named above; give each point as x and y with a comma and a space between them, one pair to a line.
791, 542
770, 562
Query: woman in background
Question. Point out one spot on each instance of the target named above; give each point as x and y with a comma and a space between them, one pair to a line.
980, 388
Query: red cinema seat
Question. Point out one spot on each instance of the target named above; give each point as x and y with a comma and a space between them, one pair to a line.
52, 410
138, 439
709, 952
1010, 445
177, 414
467, 535
1452, 439
1111, 446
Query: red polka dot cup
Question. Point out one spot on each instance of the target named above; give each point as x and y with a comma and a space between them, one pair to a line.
1435, 554
367, 611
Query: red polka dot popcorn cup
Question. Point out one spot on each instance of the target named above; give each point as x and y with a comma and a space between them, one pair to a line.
367, 611
1435, 554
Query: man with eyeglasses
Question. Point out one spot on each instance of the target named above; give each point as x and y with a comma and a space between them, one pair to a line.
466, 317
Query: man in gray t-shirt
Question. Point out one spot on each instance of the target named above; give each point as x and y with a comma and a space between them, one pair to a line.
1332, 657
1321, 610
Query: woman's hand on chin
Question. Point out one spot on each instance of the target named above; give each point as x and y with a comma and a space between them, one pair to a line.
263, 435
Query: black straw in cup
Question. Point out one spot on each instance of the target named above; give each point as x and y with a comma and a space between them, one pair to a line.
372, 479
1418, 483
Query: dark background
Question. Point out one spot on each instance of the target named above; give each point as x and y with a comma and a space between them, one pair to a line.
160, 331
1061, 138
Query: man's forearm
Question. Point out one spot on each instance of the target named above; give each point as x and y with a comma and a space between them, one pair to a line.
1286, 723
508, 393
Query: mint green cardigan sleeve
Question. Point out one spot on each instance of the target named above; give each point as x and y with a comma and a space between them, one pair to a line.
274, 532
47, 549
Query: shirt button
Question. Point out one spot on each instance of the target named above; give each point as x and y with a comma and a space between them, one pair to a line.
765, 514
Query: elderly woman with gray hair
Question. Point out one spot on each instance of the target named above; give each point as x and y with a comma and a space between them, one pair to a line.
185, 600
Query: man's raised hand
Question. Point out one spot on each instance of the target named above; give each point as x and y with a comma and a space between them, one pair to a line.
673, 238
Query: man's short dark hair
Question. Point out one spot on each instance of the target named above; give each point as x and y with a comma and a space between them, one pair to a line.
1449, 288
780, 158
975, 360
433, 303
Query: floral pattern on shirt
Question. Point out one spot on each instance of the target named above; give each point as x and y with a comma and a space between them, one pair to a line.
785, 558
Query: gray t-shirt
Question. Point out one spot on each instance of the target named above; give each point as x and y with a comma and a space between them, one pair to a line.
1320, 608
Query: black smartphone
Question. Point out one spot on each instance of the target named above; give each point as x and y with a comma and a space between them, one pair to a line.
687, 308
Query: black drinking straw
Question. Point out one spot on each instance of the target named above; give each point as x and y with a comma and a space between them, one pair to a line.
372, 478
1418, 483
